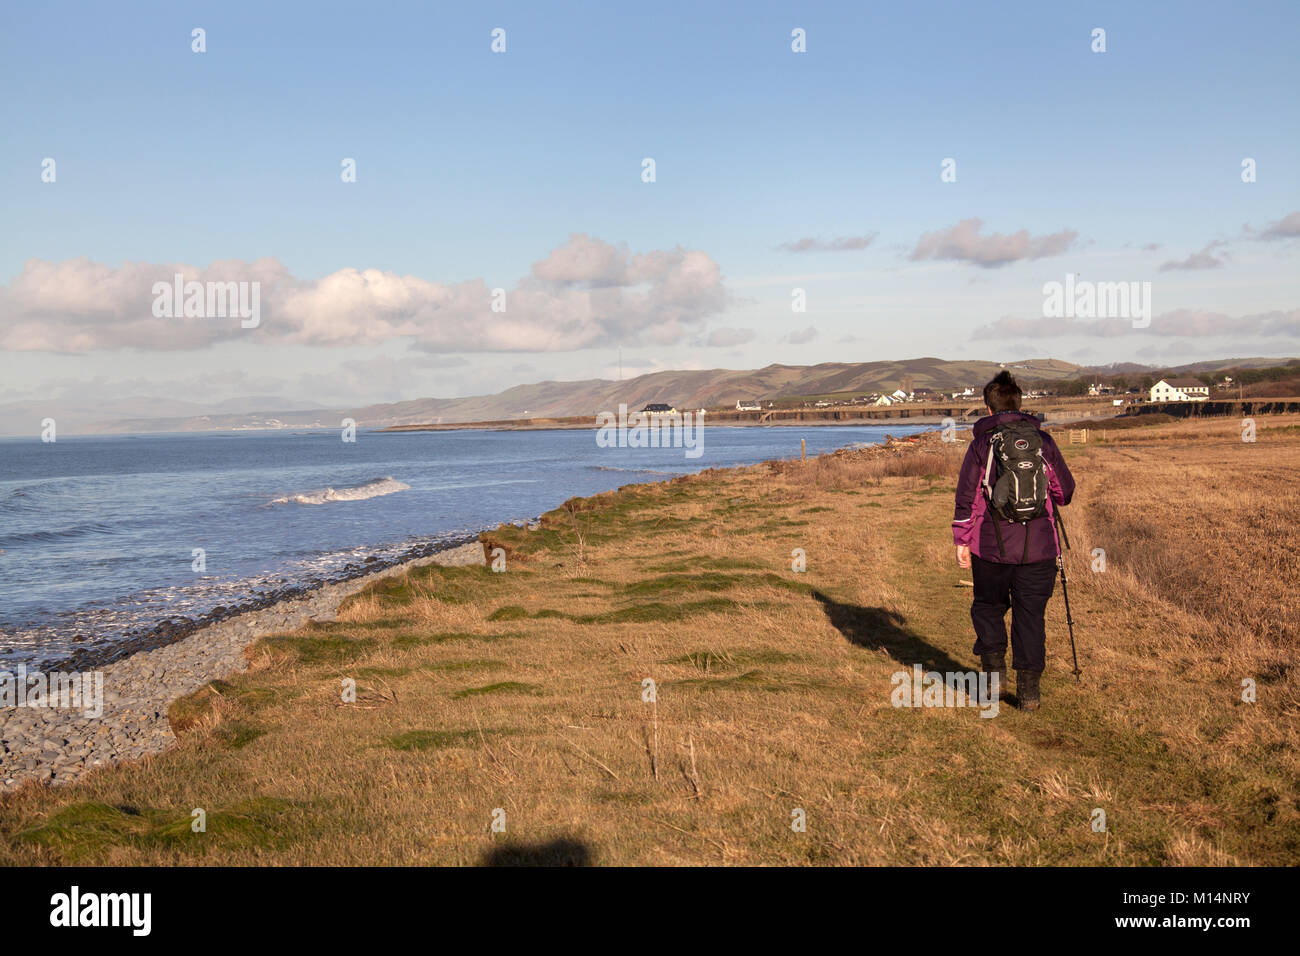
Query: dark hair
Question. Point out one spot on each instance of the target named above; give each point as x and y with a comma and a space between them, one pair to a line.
1002, 394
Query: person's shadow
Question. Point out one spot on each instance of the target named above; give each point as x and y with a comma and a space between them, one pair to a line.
565, 851
882, 630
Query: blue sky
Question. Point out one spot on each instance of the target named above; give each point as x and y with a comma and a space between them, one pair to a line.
476, 166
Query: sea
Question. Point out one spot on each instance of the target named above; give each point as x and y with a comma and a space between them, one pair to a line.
106, 538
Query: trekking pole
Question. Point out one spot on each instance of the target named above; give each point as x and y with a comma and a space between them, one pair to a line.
1056, 515
1065, 593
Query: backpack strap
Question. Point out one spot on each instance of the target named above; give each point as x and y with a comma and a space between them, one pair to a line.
1024, 558
988, 496
997, 529
988, 470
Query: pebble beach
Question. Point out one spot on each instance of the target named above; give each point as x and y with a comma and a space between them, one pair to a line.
58, 746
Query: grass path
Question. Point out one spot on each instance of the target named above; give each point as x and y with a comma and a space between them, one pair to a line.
519, 697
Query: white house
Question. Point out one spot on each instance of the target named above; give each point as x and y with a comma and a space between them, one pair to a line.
748, 406
1179, 390
883, 400
899, 395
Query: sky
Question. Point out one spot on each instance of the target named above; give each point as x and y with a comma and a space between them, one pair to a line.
798, 212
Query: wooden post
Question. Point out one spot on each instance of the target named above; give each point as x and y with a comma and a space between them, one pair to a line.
803, 449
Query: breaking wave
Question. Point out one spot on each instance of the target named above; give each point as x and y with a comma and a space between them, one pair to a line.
371, 489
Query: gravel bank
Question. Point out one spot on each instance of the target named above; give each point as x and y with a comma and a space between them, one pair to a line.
58, 746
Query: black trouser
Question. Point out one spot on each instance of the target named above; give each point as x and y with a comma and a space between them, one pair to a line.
1025, 589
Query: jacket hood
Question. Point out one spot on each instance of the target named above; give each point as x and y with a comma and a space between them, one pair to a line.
990, 422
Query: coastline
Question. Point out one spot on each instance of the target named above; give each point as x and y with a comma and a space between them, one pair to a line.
144, 675
173, 629
772, 673
59, 746
729, 419
586, 424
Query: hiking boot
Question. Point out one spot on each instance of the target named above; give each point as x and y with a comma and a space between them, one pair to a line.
1027, 689
995, 664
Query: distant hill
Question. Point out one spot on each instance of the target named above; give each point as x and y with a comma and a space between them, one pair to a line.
684, 389
1193, 368
701, 389
75, 415
1215, 365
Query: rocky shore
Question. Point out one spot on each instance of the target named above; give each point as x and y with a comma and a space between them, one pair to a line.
114, 645
58, 745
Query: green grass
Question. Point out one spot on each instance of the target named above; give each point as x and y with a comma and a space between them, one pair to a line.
707, 660
648, 612
410, 640
314, 649
82, 832
502, 687
749, 680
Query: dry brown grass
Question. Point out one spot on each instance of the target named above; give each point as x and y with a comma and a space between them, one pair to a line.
1193, 516
927, 459
522, 691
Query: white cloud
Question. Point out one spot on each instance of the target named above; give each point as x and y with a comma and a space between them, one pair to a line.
79, 305
963, 243
1205, 259
584, 294
1180, 322
1288, 227
839, 244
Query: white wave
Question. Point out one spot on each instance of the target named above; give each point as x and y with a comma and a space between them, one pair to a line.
635, 471
371, 489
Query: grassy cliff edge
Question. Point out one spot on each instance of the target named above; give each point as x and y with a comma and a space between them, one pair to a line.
507, 717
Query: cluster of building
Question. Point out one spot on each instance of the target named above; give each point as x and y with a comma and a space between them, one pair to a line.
901, 397
896, 397
1165, 390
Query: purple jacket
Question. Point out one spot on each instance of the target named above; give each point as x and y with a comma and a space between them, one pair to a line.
972, 521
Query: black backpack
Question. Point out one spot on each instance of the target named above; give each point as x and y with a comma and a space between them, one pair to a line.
1015, 478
